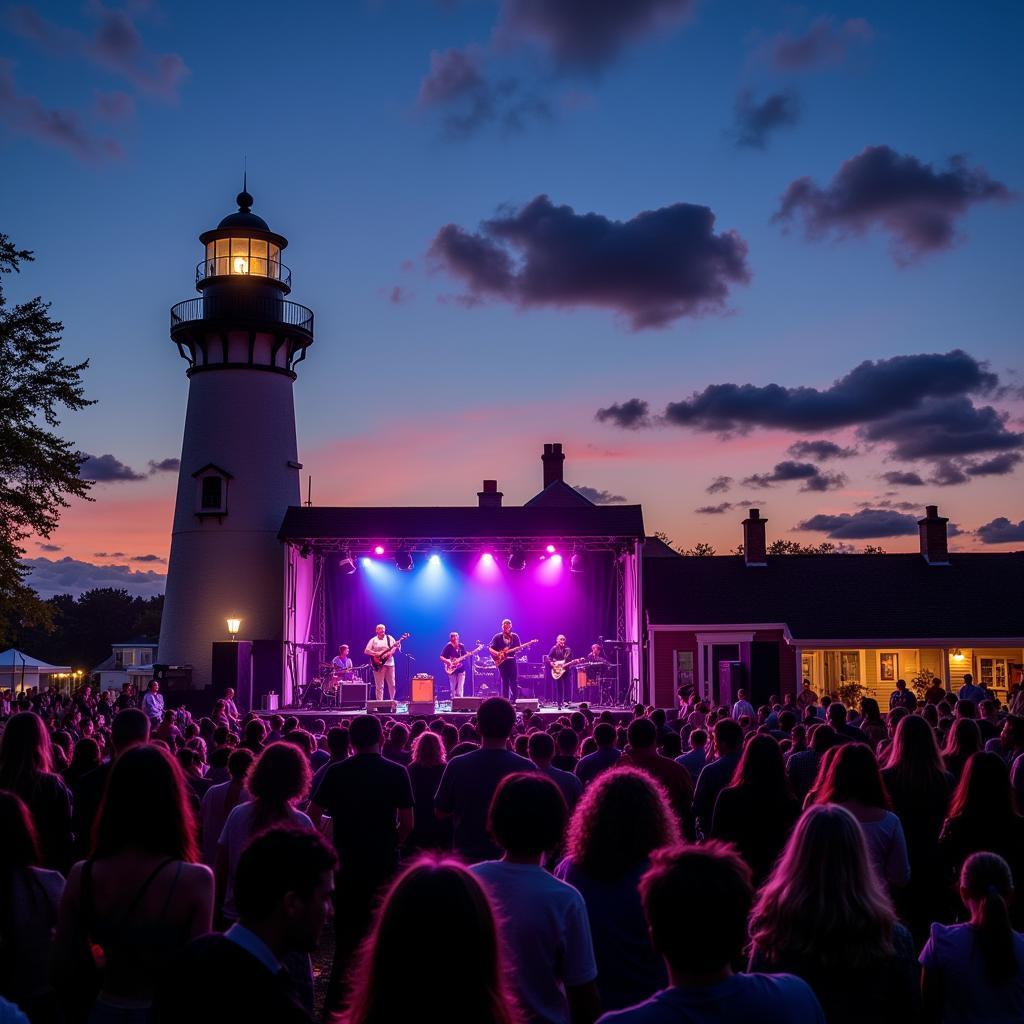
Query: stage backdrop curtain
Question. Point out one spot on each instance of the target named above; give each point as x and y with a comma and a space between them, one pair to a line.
462, 593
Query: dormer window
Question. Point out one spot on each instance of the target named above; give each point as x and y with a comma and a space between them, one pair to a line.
211, 490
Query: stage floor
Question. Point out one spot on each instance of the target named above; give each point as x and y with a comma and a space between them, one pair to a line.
442, 709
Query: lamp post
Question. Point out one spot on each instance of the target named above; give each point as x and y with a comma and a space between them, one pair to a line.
233, 627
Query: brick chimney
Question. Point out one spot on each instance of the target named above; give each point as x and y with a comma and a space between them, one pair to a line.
932, 530
754, 546
553, 459
490, 496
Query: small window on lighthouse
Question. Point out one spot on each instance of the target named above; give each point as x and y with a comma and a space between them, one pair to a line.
212, 497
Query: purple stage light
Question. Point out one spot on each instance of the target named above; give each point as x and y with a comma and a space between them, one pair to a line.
551, 549
378, 550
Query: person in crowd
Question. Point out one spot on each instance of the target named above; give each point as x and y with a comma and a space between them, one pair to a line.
982, 817
920, 789
130, 728
29, 898
871, 722
283, 887
337, 750
621, 820
140, 896
970, 691
153, 704
255, 736
838, 718
643, 754
541, 749
697, 756
802, 766
425, 771
935, 692
220, 800
823, 915
757, 810
395, 747
231, 708
370, 803
567, 743
974, 972
901, 697
717, 773
742, 708
696, 900
85, 758
168, 731
854, 782
463, 942
963, 740
470, 780
605, 756
26, 769
277, 781
543, 921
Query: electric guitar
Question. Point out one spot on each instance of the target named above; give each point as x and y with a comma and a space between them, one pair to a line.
451, 665
502, 655
559, 668
380, 660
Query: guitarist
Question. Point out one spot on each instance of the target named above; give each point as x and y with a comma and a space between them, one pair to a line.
560, 652
455, 649
380, 642
508, 670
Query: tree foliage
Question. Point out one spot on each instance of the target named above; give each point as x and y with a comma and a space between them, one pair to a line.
39, 469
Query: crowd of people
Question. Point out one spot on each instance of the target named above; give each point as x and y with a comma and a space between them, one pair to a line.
800, 861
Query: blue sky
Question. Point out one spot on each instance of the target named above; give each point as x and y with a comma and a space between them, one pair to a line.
345, 161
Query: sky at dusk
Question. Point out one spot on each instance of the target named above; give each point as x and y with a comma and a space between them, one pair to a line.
728, 253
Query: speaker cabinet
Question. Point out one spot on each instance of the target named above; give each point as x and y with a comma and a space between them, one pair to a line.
466, 704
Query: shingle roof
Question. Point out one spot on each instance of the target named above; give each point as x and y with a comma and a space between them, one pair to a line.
825, 597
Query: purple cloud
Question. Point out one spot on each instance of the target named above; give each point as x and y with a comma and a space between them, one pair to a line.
164, 466
653, 269
147, 558
630, 415
115, 106
903, 478
756, 121
49, 577
862, 525
107, 469
714, 510
824, 44
50, 547
719, 485
999, 465
26, 115
916, 205
453, 73
599, 497
812, 477
587, 34
820, 450
1001, 531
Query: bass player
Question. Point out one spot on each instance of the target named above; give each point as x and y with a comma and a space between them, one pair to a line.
507, 668
453, 650
560, 655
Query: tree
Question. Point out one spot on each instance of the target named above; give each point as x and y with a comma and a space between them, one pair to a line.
702, 549
38, 468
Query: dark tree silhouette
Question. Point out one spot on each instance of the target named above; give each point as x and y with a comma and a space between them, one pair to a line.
39, 470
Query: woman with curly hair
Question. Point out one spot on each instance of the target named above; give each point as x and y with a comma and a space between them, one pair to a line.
620, 820
824, 916
442, 895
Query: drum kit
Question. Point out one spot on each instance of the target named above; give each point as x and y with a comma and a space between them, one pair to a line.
324, 690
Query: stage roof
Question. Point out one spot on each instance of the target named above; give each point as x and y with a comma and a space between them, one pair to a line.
592, 525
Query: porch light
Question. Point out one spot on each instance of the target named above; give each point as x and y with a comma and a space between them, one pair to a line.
234, 625
958, 655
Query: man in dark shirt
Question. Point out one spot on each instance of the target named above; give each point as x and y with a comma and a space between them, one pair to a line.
717, 774
607, 754
283, 882
469, 780
643, 754
370, 803
561, 652
508, 670
847, 733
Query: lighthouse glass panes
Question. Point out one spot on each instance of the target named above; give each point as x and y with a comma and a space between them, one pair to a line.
250, 256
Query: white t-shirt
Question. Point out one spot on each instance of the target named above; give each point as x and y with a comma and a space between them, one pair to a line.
888, 848
212, 818
970, 998
546, 933
378, 645
235, 837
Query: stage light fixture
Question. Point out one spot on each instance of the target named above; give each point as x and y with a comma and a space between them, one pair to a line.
305, 551
378, 550
576, 562
516, 560
550, 549
403, 560
435, 559
347, 565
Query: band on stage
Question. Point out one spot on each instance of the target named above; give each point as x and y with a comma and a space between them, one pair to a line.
569, 677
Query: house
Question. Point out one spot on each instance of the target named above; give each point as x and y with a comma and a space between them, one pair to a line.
767, 622
129, 662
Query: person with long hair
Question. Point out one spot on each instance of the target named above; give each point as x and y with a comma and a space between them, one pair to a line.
975, 971
824, 916
463, 939
920, 789
758, 810
871, 722
26, 768
221, 799
621, 819
277, 781
854, 782
425, 771
141, 895
982, 817
963, 740
29, 897
86, 758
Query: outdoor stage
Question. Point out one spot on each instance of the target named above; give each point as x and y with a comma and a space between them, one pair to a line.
334, 716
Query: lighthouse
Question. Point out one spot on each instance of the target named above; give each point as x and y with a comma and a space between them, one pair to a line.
242, 339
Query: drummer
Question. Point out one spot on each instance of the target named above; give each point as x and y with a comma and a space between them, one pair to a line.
341, 666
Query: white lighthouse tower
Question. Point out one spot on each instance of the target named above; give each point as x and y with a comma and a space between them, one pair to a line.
239, 463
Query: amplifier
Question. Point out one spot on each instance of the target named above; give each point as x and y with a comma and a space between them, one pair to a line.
381, 707
269, 702
421, 707
422, 689
525, 703
466, 704
352, 695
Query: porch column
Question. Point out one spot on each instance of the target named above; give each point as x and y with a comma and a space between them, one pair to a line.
945, 669
701, 670
798, 656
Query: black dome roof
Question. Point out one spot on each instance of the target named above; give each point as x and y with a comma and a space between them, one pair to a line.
244, 218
